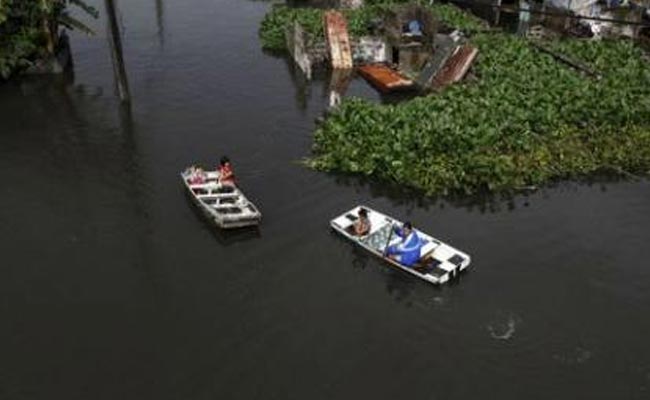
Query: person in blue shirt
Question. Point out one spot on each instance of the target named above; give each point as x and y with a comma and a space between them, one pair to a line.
406, 252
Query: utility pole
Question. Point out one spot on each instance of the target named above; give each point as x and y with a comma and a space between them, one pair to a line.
115, 41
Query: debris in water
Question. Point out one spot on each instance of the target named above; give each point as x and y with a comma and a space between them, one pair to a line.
456, 66
370, 50
384, 78
297, 45
338, 41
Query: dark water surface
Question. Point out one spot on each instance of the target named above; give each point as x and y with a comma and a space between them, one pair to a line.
112, 287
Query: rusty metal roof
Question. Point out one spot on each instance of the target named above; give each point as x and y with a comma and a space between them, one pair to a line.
456, 66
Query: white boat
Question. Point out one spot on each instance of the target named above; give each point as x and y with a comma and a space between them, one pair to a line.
226, 205
438, 262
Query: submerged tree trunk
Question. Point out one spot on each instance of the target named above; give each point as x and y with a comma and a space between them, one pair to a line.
116, 52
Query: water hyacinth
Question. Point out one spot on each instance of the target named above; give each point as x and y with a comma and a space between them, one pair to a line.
272, 29
525, 120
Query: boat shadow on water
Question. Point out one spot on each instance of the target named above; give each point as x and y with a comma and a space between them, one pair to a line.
404, 288
225, 237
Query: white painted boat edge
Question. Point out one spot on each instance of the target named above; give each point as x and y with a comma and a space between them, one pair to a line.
449, 260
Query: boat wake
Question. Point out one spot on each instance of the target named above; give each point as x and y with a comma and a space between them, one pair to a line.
579, 355
503, 330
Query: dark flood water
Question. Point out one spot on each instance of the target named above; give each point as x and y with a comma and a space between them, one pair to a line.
112, 286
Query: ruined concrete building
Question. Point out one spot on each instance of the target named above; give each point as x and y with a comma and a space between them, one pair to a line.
410, 33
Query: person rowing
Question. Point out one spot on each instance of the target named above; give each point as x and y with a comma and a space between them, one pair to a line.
226, 174
407, 251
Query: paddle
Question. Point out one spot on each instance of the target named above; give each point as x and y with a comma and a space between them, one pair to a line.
390, 236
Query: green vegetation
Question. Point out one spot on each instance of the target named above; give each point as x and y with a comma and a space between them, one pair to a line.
29, 30
272, 30
526, 118
275, 22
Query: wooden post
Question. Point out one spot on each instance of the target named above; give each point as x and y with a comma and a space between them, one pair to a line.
637, 17
115, 41
497, 10
567, 21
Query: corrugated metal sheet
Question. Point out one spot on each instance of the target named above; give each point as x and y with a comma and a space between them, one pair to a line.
456, 66
384, 78
338, 41
444, 46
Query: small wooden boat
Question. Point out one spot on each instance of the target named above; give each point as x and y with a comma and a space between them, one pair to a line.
226, 205
383, 78
438, 262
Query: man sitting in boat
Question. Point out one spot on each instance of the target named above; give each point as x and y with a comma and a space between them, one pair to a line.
362, 226
226, 174
407, 252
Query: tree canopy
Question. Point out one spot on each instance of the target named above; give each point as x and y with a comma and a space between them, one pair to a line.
29, 29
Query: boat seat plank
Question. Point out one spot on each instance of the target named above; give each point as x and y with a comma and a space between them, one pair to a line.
447, 266
225, 205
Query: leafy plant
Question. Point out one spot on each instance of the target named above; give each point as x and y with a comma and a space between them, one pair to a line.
359, 20
29, 29
526, 120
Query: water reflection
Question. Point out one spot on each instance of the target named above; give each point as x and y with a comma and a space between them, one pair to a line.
335, 84
360, 257
398, 195
160, 22
115, 43
338, 86
74, 126
300, 82
482, 202
400, 285
237, 235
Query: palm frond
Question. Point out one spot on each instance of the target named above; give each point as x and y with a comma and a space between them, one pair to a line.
71, 23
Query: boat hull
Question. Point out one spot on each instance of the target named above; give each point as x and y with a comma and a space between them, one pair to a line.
438, 264
224, 205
